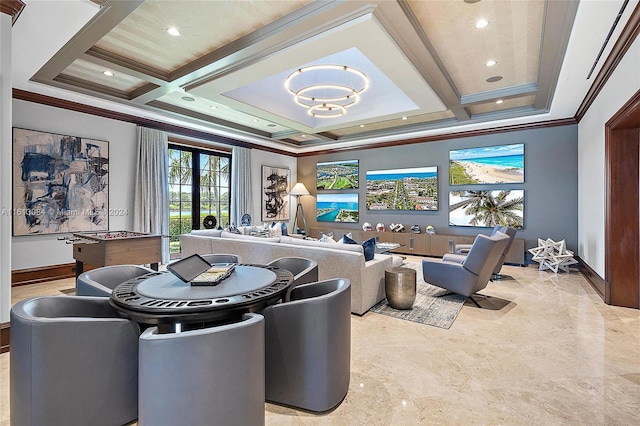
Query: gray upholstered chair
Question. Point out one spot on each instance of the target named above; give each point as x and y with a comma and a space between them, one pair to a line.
304, 271
511, 232
463, 249
221, 258
102, 281
308, 346
205, 376
473, 274
73, 361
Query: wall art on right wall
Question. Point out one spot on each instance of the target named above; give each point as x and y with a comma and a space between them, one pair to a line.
487, 208
489, 164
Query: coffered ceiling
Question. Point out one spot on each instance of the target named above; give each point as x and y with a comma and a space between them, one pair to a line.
426, 64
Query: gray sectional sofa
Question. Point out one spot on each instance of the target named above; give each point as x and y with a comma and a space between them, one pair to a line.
334, 260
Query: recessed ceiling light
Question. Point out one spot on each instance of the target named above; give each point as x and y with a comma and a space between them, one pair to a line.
499, 101
404, 118
362, 125
188, 98
481, 23
213, 107
173, 31
490, 63
107, 73
255, 120
271, 125
494, 79
304, 136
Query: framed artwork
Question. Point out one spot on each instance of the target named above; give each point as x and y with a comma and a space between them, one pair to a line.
337, 175
60, 183
487, 208
403, 189
337, 208
491, 164
275, 193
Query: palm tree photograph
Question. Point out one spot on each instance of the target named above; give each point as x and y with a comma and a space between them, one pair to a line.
487, 208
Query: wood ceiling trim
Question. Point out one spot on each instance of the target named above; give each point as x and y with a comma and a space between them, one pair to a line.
141, 121
91, 86
558, 22
208, 118
124, 65
620, 48
403, 26
109, 15
448, 136
12, 8
504, 93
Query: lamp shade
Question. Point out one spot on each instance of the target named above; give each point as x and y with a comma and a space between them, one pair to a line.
299, 189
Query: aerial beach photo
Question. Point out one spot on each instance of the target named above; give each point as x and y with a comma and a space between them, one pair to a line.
493, 164
337, 208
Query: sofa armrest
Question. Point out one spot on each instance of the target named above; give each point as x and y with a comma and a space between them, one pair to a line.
371, 284
192, 244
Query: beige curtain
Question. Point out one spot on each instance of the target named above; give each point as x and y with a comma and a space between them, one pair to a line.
240, 184
151, 203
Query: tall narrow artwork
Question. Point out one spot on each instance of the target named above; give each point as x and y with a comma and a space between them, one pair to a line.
489, 164
60, 183
275, 193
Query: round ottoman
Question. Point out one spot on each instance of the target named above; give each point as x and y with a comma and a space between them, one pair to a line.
400, 287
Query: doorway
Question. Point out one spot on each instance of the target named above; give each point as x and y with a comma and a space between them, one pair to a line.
622, 219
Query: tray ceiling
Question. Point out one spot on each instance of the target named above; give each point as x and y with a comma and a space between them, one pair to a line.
426, 62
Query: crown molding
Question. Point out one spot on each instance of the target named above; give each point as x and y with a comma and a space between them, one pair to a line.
12, 8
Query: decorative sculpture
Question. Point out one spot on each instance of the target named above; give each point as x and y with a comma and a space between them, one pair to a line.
380, 227
415, 229
430, 230
367, 227
396, 227
552, 255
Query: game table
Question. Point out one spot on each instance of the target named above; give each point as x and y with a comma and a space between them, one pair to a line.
116, 248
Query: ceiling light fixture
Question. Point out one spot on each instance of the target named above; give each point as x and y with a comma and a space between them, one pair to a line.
326, 91
499, 101
173, 31
188, 98
107, 73
362, 125
481, 23
494, 79
490, 63
213, 107
404, 118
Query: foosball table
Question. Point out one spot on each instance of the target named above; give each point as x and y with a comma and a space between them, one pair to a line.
116, 248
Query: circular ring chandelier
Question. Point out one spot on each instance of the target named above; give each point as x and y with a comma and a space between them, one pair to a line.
329, 91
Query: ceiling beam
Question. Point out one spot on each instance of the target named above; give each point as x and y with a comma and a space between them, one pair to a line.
503, 93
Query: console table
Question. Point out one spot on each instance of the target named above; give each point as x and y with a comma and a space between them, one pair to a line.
422, 244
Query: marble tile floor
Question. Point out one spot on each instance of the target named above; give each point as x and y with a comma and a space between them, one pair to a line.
543, 350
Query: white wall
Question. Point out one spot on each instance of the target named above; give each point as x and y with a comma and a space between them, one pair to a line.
43, 250
623, 84
5, 166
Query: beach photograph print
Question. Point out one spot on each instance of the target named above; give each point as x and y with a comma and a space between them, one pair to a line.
60, 183
337, 208
491, 164
487, 208
337, 175
403, 189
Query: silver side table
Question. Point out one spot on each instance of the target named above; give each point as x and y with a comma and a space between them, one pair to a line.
400, 287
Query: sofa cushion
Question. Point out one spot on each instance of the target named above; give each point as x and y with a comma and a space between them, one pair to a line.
231, 235
368, 247
298, 241
207, 232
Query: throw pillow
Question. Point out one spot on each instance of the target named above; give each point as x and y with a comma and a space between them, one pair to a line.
368, 246
327, 238
341, 240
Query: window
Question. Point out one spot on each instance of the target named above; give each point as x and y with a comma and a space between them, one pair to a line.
198, 187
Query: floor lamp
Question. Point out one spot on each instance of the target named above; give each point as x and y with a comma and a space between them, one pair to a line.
299, 190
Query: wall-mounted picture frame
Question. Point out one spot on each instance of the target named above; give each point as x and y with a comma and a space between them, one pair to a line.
337, 175
487, 165
275, 193
403, 189
60, 183
339, 207
487, 208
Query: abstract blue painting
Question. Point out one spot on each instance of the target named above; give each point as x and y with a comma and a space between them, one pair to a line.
60, 183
